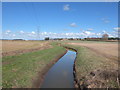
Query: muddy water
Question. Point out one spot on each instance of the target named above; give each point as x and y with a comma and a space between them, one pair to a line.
61, 74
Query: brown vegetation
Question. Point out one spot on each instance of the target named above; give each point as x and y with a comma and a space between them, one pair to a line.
109, 50
18, 47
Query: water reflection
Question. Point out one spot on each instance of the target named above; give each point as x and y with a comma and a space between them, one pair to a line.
61, 74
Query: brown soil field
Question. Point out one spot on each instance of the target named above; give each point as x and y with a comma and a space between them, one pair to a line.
109, 50
10, 47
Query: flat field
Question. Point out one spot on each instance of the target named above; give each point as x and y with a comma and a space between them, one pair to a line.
10, 47
107, 49
96, 63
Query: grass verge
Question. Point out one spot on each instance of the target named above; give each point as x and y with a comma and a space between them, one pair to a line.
25, 67
94, 70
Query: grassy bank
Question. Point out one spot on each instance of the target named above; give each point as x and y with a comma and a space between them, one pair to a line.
94, 70
21, 70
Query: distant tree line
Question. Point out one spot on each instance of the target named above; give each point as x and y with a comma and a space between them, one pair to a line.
87, 39
100, 39
112, 38
47, 38
57, 39
93, 39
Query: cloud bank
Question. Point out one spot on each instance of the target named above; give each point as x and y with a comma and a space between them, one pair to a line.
8, 34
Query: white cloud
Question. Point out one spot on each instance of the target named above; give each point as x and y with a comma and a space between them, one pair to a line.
44, 33
7, 31
98, 34
104, 31
111, 35
89, 29
116, 28
105, 20
87, 32
73, 24
13, 35
33, 35
21, 32
66, 7
33, 32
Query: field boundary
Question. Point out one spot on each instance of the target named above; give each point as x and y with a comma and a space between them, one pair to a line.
18, 52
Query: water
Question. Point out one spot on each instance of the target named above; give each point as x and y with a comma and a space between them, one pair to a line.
61, 74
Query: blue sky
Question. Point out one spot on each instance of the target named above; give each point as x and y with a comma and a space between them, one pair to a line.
59, 19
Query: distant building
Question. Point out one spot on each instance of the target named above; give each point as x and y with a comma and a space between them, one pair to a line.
105, 37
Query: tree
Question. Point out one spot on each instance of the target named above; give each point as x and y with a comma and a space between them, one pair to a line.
47, 38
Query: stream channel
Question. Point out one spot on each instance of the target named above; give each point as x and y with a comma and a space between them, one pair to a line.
60, 75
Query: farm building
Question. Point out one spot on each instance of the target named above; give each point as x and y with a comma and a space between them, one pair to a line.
105, 37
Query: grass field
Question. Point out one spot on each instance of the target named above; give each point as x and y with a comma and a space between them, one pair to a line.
21, 70
96, 64
93, 69
106, 49
10, 47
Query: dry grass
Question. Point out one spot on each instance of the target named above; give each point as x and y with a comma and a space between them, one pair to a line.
12, 47
109, 50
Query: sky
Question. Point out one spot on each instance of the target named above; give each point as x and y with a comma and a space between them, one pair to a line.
37, 20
